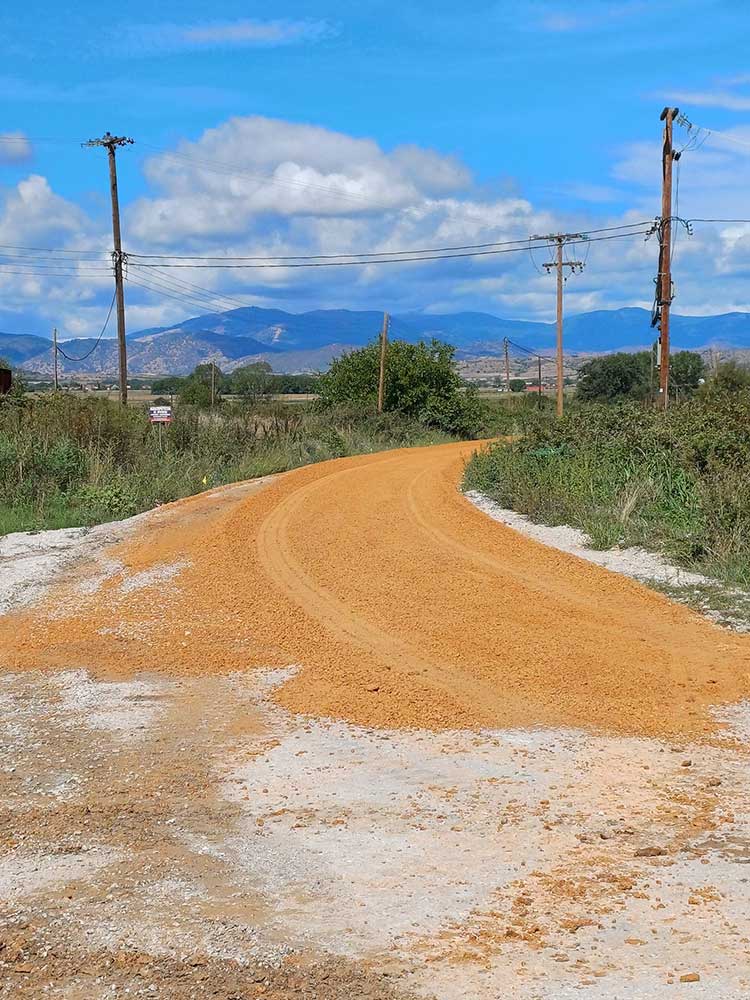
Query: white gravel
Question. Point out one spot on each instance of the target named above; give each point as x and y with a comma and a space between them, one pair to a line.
633, 562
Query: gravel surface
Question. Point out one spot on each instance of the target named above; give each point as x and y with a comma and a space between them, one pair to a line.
177, 835
404, 605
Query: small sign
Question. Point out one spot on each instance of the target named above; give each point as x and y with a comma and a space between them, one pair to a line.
160, 414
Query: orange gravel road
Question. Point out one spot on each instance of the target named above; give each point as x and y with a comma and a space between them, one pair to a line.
402, 604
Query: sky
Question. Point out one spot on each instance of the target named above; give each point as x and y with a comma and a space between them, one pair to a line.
329, 127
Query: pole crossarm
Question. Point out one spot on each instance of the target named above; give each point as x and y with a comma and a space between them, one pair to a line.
110, 141
558, 240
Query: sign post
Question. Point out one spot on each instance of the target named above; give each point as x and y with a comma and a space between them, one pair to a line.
160, 415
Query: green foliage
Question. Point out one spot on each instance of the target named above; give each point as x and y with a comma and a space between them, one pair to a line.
66, 460
203, 387
251, 381
633, 475
632, 376
614, 376
517, 385
729, 377
686, 369
421, 382
169, 386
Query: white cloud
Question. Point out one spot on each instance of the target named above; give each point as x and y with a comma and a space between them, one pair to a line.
243, 33
15, 148
255, 32
724, 99
260, 187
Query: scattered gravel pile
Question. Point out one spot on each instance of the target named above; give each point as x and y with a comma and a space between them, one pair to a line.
404, 605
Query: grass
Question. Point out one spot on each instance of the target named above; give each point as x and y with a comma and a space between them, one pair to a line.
68, 462
675, 482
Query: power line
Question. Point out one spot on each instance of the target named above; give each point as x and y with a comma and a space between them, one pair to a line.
98, 339
387, 253
386, 260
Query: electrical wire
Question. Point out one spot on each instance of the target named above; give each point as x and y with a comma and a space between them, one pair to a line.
98, 339
384, 260
539, 243
189, 287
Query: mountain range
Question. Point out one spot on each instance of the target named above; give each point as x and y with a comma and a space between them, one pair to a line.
294, 342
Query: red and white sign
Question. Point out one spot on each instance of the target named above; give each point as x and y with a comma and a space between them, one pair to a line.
160, 414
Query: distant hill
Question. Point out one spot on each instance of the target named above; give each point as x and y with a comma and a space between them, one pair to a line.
16, 348
307, 341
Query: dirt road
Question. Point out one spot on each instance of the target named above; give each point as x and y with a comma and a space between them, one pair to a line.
338, 734
403, 604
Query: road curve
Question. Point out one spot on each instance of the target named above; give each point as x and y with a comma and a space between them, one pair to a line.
401, 603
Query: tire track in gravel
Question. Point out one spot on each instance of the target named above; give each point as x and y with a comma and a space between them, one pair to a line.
402, 604
280, 562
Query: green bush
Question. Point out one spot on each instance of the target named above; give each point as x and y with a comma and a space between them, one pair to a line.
629, 474
421, 382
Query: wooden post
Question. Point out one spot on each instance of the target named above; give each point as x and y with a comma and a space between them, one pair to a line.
54, 350
559, 240
383, 345
668, 115
213, 384
559, 326
110, 143
539, 367
507, 366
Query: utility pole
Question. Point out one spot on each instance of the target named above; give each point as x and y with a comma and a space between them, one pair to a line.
507, 365
213, 384
539, 377
383, 346
664, 279
54, 349
110, 143
560, 239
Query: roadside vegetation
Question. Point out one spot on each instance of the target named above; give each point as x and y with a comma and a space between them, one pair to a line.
627, 473
67, 460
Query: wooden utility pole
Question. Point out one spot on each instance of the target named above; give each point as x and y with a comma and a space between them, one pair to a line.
539, 377
664, 281
383, 346
110, 143
559, 240
213, 384
507, 365
54, 351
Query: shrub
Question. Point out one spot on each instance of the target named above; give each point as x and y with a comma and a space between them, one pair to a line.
627, 474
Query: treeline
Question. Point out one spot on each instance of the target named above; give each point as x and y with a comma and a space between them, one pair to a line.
616, 377
207, 382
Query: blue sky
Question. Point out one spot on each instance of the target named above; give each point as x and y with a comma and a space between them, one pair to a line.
486, 119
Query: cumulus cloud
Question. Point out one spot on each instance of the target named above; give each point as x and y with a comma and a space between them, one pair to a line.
257, 187
15, 148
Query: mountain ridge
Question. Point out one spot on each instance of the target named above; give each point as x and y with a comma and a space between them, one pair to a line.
307, 341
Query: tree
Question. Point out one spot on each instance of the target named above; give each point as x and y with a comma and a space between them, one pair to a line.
421, 381
252, 381
196, 388
615, 376
167, 386
730, 376
686, 369
518, 385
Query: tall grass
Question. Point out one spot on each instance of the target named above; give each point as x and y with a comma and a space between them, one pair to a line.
678, 481
66, 461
